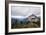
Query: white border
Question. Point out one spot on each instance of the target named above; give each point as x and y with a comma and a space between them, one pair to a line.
24, 29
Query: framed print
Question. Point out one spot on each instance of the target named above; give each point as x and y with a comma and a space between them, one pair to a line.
24, 17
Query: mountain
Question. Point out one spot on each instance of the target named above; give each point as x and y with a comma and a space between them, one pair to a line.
23, 19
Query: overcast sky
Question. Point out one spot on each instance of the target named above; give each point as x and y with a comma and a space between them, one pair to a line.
25, 10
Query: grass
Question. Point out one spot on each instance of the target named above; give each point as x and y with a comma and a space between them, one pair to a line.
29, 25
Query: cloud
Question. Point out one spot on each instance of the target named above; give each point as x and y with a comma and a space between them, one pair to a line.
25, 10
